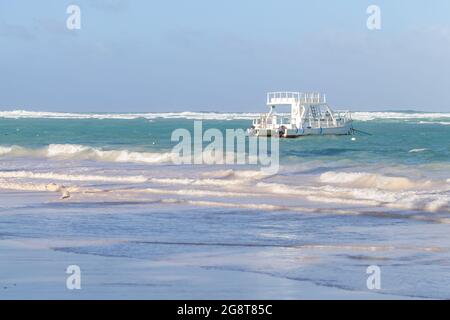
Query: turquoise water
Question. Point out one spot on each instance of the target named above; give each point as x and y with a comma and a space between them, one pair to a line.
391, 140
337, 204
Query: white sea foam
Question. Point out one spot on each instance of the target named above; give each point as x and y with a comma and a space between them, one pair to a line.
239, 174
246, 190
361, 116
13, 151
392, 196
370, 180
18, 114
40, 187
59, 150
283, 189
418, 150
81, 152
337, 200
444, 123
251, 206
362, 189
430, 201
193, 192
197, 182
71, 177
369, 197
89, 153
430, 206
367, 116
5, 150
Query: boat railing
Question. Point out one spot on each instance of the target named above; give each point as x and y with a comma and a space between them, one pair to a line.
320, 119
313, 98
268, 120
283, 97
343, 114
292, 98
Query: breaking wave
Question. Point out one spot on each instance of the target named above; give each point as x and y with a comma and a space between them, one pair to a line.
81, 152
367, 116
70, 177
240, 174
361, 116
21, 114
371, 180
366, 191
38, 187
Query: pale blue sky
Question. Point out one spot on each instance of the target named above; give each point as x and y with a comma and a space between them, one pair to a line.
222, 55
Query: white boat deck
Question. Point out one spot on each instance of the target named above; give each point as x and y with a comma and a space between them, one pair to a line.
310, 115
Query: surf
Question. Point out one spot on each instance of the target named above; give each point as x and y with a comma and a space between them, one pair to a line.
82, 152
195, 115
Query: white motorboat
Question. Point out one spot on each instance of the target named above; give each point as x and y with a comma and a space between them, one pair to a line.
309, 115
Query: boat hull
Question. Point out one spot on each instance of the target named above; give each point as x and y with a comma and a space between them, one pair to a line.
294, 133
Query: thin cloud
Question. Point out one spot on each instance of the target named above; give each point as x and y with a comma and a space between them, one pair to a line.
53, 27
110, 5
16, 31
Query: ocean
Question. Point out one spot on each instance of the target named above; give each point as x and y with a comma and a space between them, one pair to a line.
337, 205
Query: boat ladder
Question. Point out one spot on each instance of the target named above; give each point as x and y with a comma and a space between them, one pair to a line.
314, 112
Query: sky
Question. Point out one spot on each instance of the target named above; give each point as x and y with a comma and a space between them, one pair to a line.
211, 55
